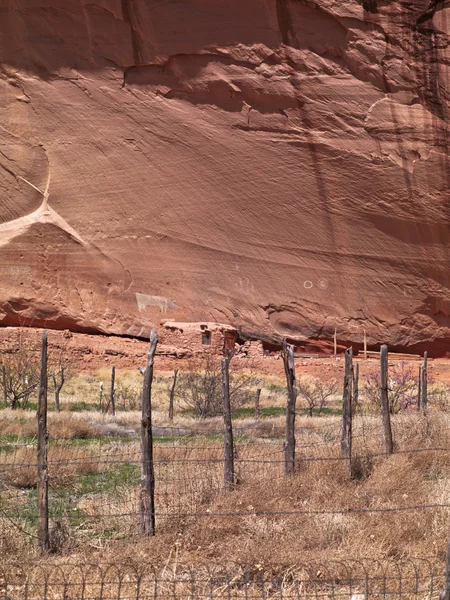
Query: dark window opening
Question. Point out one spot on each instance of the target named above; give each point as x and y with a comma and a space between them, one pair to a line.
206, 338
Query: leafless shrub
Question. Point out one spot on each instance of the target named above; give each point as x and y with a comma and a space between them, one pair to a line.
201, 387
402, 387
20, 372
316, 393
128, 397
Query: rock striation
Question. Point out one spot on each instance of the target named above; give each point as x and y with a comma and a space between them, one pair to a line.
279, 165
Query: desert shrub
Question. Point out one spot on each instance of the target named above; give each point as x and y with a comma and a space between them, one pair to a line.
316, 393
200, 387
402, 387
127, 397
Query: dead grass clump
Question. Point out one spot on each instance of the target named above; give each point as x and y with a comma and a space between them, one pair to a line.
395, 480
66, 465
68, 427
19, 426
22, 424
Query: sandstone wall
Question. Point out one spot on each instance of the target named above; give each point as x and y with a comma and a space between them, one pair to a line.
279, 165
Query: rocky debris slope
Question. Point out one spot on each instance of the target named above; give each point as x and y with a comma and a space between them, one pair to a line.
280, 165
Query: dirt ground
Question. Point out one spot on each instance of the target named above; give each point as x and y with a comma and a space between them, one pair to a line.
88, 353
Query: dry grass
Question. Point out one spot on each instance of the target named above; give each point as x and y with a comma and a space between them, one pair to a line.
194, 523
62, 426
189, 481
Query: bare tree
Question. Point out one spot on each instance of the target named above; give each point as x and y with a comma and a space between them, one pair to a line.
59, 377
316, 393
172, 394
58, 382
101, 396
20, 373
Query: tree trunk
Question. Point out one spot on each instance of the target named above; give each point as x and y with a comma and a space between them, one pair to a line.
172, 394
42, 459
58, 387
5, 389
147, 492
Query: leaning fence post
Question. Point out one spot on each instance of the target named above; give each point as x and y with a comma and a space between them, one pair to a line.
228, 470
147, 492
424, 383
172, 394
257, 408
113, 391
346, 438
384, 401
42, 457
289, 444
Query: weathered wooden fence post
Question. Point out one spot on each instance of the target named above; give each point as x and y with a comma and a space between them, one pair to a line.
365, 345
289, 443
425, 382
228, 469
419, 389
384, 401
172, 394
257, 407
445, 592
5, 389
147, 492
355, 402
347, 410
101, 397
42, 458
112, 393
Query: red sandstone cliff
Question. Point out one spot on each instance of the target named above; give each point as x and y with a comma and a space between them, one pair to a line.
280, 165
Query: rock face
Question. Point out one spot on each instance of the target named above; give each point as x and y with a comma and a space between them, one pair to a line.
280, 165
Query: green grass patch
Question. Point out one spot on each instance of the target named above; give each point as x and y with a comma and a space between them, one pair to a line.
81, 406
123, 475
324, 412
265, 412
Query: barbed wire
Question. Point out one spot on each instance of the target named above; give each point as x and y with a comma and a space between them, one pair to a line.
250, 513
171, 460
